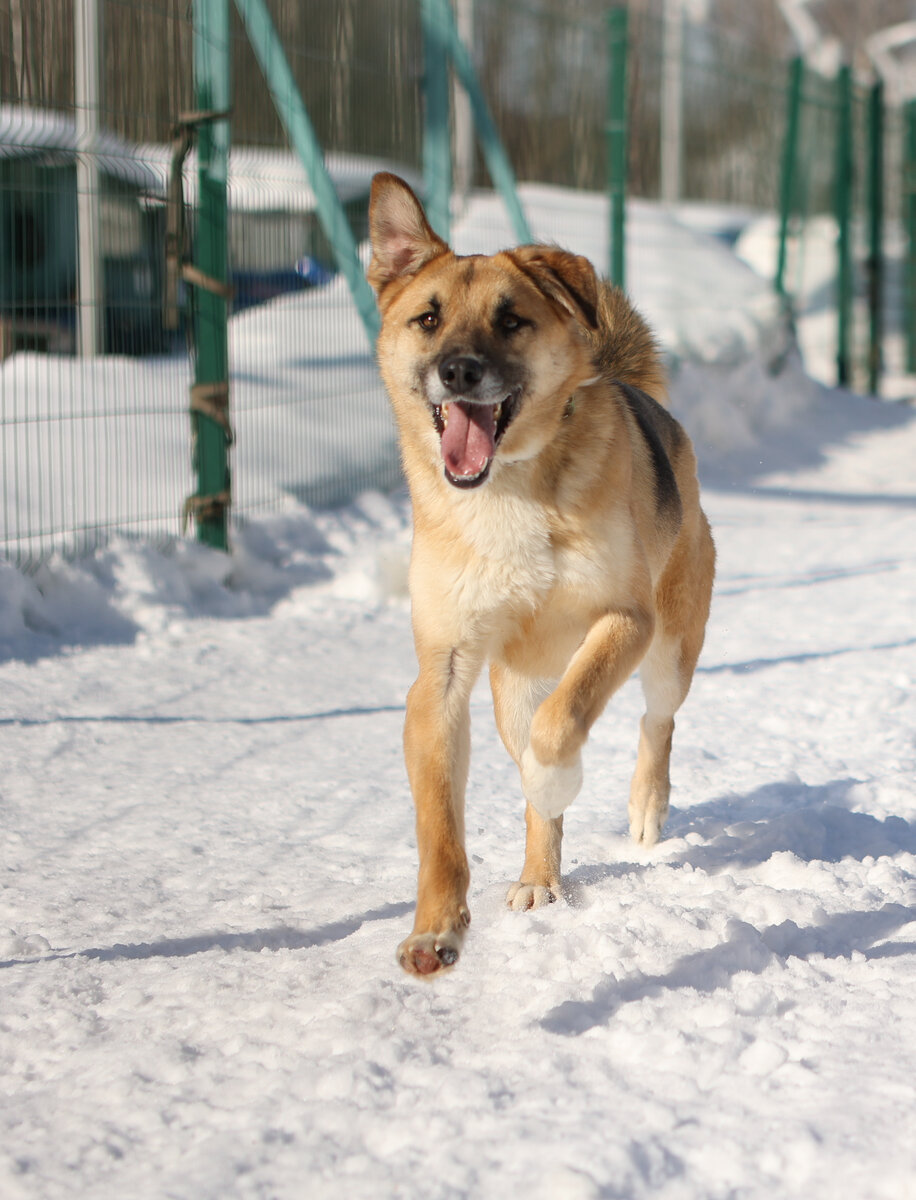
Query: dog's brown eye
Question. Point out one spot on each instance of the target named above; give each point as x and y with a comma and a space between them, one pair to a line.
428, 320
509, 322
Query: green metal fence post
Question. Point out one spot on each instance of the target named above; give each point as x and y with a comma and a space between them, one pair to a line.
437, 145
494, 155
269, 52
843, 201
789, 163
616, 131
909, 216
212, 88
875, 230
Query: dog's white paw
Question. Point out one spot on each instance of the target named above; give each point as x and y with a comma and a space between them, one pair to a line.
550, 790
522, 896
646, 821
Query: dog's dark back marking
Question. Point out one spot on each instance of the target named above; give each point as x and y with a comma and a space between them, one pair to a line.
663, 436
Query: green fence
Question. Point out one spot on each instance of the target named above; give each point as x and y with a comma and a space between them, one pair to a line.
847, 189
98, 446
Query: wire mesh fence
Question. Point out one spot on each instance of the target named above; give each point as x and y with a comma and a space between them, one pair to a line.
97, 445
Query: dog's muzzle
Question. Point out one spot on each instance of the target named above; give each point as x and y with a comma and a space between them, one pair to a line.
469, 422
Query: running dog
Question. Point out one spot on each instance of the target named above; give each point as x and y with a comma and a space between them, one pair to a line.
558, 536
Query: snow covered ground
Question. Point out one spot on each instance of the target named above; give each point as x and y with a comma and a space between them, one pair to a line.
208, 855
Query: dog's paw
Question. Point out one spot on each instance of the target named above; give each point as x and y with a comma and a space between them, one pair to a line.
646, 822
430, 953
550, 790
522, 896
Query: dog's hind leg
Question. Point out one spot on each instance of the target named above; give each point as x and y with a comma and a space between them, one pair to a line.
515, 699
540, 881
666, 674
651, 786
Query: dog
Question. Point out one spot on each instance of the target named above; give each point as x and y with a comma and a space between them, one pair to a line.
558, 536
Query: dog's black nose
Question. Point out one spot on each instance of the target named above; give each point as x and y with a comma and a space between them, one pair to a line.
460, 374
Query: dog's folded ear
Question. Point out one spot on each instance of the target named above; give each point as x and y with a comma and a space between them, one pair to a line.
567, 279
402, 239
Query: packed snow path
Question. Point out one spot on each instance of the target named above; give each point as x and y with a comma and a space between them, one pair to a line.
209, 860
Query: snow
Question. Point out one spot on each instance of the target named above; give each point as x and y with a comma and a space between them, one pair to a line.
209, 856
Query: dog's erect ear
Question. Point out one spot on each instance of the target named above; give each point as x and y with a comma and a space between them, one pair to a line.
402, 239
567, 279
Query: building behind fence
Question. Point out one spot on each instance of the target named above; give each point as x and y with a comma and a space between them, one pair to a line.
309, 419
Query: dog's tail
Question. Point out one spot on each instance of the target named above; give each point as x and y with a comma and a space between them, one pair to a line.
624, 347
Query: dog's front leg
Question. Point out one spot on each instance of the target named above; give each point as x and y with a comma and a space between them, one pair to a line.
437, 747
551, 765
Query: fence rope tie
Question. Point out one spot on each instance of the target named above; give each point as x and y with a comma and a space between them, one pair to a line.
205, 508
212, 400
197, 278
177, 263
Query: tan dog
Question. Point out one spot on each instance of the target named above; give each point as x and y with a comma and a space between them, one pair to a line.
557, 534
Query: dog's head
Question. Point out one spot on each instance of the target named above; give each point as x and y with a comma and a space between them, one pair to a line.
480, 354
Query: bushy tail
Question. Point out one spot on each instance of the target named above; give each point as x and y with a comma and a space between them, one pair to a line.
624, 346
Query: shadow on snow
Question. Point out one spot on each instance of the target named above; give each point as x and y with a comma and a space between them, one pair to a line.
282, 937
746, 949
810, 823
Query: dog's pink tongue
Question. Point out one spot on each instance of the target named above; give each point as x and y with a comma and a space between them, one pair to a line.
469, 438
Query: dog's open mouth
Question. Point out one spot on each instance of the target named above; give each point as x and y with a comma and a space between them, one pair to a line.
469, 433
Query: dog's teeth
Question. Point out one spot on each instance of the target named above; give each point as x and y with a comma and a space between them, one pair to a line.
497, 411
445, 416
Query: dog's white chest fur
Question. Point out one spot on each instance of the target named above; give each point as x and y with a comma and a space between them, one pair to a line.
513, 560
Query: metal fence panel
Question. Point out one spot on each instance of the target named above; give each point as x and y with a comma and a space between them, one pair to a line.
309, 413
